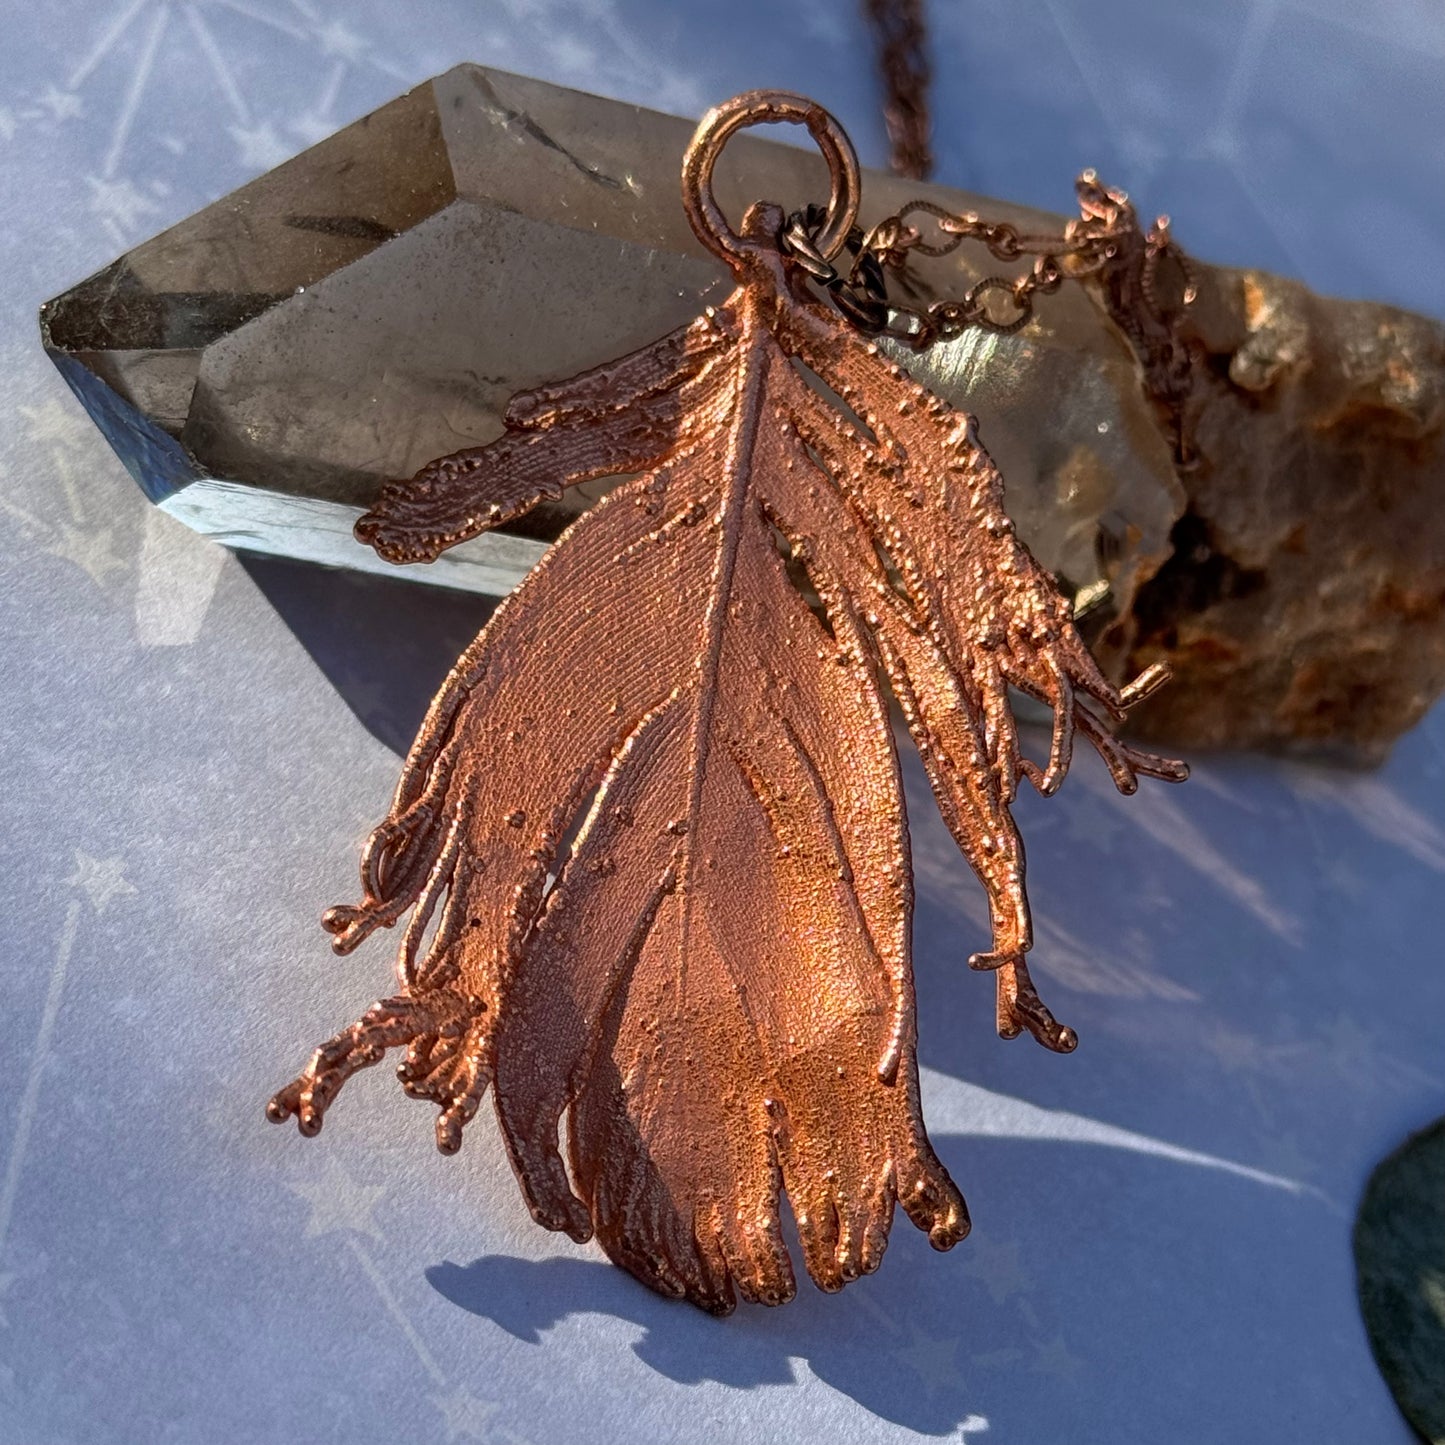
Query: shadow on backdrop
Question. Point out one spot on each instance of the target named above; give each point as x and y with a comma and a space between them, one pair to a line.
1185, 934
1135, 950
384, 644
952, 1343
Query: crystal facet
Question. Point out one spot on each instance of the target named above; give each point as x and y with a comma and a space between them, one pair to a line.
263, 367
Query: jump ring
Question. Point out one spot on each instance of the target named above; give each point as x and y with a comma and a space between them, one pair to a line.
763, 107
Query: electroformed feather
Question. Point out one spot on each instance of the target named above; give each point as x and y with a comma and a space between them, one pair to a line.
710, 984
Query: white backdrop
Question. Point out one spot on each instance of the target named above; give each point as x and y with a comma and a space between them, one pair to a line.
194, 749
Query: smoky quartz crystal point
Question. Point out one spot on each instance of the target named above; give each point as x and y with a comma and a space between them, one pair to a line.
263, 367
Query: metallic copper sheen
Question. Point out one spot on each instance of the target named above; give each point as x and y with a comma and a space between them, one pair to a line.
711, 983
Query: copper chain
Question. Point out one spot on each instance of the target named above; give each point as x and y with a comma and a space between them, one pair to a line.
900, 34
996, 303
1105, 246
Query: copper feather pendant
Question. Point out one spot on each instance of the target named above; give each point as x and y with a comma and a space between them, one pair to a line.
711, 984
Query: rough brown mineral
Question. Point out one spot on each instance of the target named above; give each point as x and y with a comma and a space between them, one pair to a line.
265, 365
1303, 605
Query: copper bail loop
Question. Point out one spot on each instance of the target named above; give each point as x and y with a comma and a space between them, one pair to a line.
766, 107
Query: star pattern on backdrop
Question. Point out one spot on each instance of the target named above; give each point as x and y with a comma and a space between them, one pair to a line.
1361, 1055
55, 427
128, 1010
48, 109
259, 146
931, 1356
998, 1265
1055, 1358
336, 39
466, 1416
141, 38
997, 1359
339, 1204
61, 104
1240, 1053
102, 880
64, 526
92, 549
120, 205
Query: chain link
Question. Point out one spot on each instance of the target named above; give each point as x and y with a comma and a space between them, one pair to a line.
1105, 246
999, 304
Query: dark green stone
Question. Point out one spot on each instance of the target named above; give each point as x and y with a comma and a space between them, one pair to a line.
1400, 1260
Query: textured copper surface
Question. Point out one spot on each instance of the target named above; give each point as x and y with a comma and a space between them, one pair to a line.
711, 981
